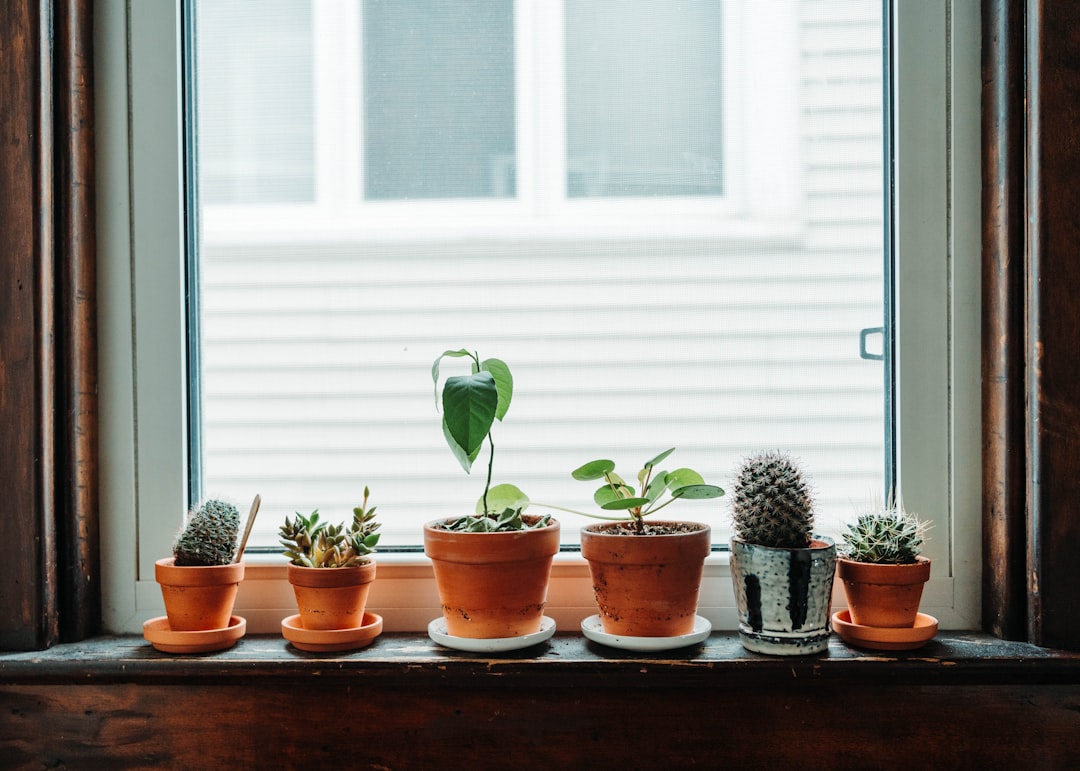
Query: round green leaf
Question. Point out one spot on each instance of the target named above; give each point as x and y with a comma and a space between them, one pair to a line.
594, 469
659, 458
625, 503
681, 477
502, 497
697, 492
606, 494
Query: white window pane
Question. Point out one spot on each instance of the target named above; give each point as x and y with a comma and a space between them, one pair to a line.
255, 107
643, 97
629, 330
438, 109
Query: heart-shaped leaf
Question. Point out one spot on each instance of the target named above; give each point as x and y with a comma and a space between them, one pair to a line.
504, 383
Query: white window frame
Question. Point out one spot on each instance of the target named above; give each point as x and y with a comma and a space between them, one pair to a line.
143, 388
750, 204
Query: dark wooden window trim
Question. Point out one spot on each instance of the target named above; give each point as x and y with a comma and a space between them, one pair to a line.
49, 579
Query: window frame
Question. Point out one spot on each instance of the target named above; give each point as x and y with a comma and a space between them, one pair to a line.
144, 356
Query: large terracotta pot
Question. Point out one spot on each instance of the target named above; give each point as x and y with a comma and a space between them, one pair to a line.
492, 585
198, 597
332, 598
646, 585
783, 596
883, 596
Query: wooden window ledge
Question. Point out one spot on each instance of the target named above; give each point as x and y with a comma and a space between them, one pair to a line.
961, 701
950, 658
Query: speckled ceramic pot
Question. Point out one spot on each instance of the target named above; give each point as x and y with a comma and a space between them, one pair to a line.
783, 596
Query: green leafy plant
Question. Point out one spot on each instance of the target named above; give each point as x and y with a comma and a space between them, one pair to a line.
209, 535
470, 406
656, 489
886, 536
314, 544
772, 504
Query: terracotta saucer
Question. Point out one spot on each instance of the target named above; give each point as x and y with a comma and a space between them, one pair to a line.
158, 632
329, 640
885, 638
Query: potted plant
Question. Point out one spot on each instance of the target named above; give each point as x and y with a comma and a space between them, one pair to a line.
492, 566
645, 574
881, 567
782, 573
200, 581
331, 571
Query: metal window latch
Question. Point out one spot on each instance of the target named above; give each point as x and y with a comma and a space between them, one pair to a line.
863, 335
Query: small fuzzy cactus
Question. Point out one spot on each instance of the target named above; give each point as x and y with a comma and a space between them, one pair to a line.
772, 503
888, 536
209, 535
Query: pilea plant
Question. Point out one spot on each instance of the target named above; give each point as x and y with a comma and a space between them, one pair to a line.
209, 535
886, 536
772, 504
656, 489
314, 544
470, 406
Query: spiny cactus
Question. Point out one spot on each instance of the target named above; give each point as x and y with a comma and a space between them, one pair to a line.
209, 536
314, 544
772, 503
889, 536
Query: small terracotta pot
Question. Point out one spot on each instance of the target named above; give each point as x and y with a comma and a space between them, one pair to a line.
646, 585
332, 598
492, 585
198, 597
884, 596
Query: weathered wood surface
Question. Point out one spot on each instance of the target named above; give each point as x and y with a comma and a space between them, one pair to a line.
1053, 104
964, 701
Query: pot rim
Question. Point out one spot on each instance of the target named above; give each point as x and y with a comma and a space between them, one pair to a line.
431, 525
598, 529
818, 543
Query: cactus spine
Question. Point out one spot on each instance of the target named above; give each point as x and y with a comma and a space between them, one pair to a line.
209, 536
772, 503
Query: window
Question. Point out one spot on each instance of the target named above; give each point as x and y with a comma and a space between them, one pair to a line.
621, 206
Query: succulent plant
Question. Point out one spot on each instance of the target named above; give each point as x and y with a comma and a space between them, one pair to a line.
314, 544
887, 536
772, 503
616, 495
209, 535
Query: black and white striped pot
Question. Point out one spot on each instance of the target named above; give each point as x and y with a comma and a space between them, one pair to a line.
783, 596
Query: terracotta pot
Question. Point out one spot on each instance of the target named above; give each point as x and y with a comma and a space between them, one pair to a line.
884, 596
783, 596
332, 598
198, 597
492, 585
646, 585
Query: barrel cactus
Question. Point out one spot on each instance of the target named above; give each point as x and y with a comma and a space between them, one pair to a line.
209, 535
887, 536
772, 503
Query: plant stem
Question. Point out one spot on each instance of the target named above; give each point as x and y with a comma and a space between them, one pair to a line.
491, 462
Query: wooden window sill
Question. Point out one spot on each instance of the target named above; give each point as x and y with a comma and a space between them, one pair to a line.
950, 658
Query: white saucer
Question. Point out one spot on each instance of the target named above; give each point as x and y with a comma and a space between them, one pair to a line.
593, 629
437, 632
